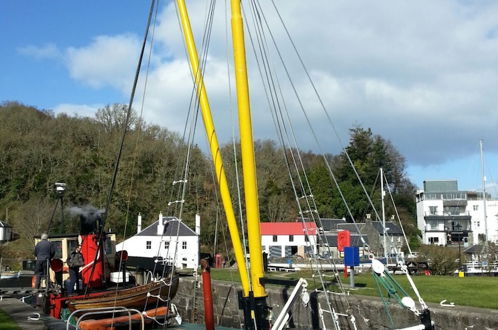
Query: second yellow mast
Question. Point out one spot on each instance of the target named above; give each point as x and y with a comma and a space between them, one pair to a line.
213, 144
247, 149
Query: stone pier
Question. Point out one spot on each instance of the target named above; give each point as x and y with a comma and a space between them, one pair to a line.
368, 312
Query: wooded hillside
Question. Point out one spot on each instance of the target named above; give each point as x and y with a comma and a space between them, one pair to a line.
39, 149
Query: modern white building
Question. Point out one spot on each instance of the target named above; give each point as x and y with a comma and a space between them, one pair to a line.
163, 238
446, 215
286, 239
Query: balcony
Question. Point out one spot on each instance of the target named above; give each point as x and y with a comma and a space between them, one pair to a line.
447, 216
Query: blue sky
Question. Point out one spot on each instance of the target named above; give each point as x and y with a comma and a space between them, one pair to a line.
423, 74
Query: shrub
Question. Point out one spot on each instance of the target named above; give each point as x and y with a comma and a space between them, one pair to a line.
442, 260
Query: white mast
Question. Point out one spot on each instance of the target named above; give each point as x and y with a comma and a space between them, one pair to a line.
383, 213
484, 199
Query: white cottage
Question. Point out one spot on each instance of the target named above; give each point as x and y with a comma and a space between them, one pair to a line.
162, 238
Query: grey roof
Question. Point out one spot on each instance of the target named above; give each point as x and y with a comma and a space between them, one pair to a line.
393, 229
329, 224
353, 228
355, 240
170, 228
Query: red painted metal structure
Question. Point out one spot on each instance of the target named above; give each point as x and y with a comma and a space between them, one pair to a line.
343, 240
208, 295
91, 274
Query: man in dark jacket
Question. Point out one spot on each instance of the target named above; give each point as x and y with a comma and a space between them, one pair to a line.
44, 251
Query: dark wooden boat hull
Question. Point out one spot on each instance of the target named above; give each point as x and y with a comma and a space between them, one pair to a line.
136, 297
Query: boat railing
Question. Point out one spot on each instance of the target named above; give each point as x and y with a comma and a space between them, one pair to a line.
103, 310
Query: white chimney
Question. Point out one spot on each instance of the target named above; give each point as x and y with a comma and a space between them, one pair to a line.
160, 225
139, 223
197, 224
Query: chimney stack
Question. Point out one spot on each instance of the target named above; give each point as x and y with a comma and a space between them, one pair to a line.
139, 223
198, 224
160, 224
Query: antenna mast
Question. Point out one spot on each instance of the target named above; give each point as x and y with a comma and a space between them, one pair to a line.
484, 200
382, 193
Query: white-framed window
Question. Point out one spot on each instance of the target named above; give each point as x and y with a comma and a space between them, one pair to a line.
433, 210
306, 238
166, 245
433, 240
291, 238
476, 207
275, 238
148, 245
184, 245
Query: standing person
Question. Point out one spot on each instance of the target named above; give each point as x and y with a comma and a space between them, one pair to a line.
74, 262
44, 251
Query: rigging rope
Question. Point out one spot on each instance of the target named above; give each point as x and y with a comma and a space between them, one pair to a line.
151, 43
181, 191
274, 104
121, 146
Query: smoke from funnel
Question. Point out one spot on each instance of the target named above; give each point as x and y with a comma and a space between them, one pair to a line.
90, 218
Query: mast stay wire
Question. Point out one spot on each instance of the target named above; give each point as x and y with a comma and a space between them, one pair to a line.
188, 136
333, 126
322, 104
202, 67
315, 137
274, 104
397, 216
327, 162
151, 45
192, 100
121, 145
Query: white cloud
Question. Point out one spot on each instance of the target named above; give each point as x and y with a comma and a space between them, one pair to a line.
48, 51
81, 110
422, 74
107, 61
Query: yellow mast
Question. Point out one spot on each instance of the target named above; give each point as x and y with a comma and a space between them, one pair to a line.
247, 150
213, 144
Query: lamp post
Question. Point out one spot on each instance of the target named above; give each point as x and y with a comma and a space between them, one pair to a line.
60, 188
460, 235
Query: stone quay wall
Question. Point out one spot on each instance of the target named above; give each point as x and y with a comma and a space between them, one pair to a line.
368, 312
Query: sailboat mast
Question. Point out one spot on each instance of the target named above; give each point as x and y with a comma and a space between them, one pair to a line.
484, 198
213, 144
383, 212
247, 150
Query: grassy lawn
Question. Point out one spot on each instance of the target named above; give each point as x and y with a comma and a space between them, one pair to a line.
467, 291
6, 323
